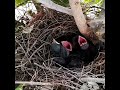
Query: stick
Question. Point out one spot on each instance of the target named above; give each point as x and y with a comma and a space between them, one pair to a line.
32, 83
97, 80
42, 84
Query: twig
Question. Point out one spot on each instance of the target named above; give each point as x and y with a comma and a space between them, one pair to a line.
42, 83
54, 70
97, 80
32, 83
21, 65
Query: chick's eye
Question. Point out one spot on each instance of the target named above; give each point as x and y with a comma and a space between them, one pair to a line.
67, 45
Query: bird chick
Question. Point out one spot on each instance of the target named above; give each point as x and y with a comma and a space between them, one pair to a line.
61, 50
74, 49
84, 48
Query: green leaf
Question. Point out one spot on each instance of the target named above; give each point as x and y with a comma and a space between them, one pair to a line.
64, 3
99, 2
96, 1
20, 2
87, 1
20, 87
92, 2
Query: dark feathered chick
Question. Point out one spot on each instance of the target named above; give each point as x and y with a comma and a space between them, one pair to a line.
74, 49
84, 48
61, 50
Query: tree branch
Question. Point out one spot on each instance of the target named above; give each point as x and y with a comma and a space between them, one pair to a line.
81, 21
52, 5
78, 15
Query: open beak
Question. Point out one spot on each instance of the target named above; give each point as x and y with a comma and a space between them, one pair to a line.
67, 45
83, 42
54, 41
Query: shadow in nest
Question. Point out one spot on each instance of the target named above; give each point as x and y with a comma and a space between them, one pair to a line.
76, 50
35, 62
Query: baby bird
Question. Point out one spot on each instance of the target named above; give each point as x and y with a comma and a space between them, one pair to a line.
74, 49
84, 48
61, 50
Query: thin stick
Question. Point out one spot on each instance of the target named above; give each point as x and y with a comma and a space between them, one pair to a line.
97, 80
32, 83
42, 84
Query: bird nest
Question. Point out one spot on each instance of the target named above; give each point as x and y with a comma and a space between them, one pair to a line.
34, 61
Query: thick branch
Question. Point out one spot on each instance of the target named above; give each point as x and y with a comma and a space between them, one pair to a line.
81, 21
52, 5
78, 15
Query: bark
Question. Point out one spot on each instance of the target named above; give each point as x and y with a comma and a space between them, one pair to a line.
81, 21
